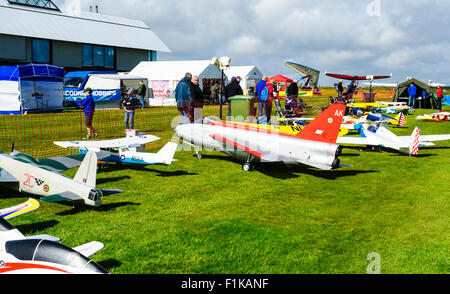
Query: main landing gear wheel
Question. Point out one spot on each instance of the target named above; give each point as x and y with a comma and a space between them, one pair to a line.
198, 154
246, 166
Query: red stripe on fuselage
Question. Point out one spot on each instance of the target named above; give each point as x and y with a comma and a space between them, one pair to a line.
9, 267
235, 144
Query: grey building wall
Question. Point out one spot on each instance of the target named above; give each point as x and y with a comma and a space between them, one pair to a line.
13, 48
127, 59
16, 50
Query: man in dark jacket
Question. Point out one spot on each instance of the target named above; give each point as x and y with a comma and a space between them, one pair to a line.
340, 88
141, 91
232, 89
292, 95
183, 97
195, 111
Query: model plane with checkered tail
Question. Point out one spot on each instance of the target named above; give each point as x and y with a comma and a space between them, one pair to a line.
377, 135
23, 173
314, 146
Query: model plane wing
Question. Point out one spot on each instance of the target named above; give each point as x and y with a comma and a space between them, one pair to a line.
429, 138
20, 209
356, 78
238, 145
89, 249
62, 197
129, 142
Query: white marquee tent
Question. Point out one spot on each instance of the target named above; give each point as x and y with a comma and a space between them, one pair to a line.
163, 77
250, 75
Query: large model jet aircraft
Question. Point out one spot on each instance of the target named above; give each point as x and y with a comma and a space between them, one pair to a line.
377, 135
124, 150
314, 146
25, 174
42, 254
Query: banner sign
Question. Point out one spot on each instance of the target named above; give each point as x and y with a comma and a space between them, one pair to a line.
98, 95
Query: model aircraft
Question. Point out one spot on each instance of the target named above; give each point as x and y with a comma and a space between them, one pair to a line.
437, 116
43, 254
314, 146
125, 150
28, 206
309, 76
394, 85
21, 172
357, 78
377, 135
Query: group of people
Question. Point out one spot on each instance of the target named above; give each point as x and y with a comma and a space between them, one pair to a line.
133, 100
346, 96
413, 93
189, 97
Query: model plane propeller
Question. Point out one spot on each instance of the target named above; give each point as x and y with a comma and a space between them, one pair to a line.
21, 172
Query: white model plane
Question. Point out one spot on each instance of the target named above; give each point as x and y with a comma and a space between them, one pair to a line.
23, 173
377, 135
42, 254
125, 150
314, 146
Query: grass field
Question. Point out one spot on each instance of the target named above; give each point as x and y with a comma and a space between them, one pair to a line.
208, 216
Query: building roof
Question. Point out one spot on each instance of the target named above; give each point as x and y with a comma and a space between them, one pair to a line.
249, 72
86, 28
175, 70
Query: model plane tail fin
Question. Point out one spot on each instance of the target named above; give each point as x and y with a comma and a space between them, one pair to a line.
167, 152
325, 128
414, 142
87, 173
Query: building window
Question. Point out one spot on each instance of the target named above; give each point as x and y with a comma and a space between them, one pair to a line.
151, 55
41, 51
87, 55
99, 56
98, 53
110, 57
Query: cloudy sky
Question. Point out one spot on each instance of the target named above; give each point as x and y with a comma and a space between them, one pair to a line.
405, 38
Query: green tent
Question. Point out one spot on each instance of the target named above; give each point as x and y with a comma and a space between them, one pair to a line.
401, 94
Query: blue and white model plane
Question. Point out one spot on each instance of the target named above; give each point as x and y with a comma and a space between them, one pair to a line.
125, 150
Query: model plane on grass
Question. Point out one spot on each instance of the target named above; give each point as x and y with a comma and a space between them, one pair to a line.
124, 150
42, 254
377, 135
437, 116
314, 146
21, 172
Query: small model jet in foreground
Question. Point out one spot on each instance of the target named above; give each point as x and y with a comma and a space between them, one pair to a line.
314, 146
42, 254
125, 150
21, 172
377, 135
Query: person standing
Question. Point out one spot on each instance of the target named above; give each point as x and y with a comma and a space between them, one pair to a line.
351, 90
439, 96
412, 92
215, 93
141, 91
89, 109
232, 89
183, 97
195, 111
269, 102
292, 95
259, 88
340, 88
130, 104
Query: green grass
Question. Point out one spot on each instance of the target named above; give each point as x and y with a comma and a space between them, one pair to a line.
208, 216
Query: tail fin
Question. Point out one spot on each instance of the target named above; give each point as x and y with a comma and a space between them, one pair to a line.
87, 173
414, 142
401, 119
167, 152
325, 128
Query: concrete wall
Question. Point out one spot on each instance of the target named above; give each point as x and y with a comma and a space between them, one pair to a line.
67, 54
127, 59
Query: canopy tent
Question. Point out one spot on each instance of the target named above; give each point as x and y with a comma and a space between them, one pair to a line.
309, 76
281, 80
401, 93
250, 75
31, 87
164, 76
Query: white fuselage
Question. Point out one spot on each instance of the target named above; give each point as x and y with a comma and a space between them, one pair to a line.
38, 181
273, 147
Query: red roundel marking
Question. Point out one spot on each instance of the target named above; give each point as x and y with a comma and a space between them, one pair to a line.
46, 188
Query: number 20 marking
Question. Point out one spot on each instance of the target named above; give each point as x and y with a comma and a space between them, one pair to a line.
29, 181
